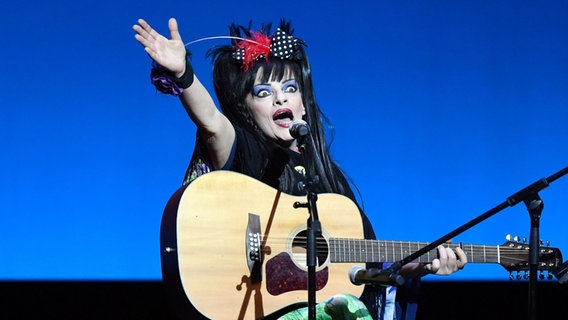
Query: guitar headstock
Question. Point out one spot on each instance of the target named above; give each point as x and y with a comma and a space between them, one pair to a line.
515, 258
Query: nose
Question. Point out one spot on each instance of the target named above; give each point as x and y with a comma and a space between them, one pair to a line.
280, 97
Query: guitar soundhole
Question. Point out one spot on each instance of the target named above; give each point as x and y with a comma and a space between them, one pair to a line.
300, 248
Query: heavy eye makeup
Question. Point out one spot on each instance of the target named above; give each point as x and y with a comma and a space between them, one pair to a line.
262, 90
265, 90
290, 86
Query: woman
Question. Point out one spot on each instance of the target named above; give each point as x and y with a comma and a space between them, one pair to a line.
263, 83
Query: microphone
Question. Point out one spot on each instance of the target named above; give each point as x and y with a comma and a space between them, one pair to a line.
359, 275
299, 129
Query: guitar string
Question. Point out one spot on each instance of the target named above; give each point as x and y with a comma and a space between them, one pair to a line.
324, 242
488, 250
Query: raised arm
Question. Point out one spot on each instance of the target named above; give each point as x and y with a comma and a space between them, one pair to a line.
212, 125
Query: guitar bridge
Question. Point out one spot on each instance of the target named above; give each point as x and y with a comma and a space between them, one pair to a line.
253, 245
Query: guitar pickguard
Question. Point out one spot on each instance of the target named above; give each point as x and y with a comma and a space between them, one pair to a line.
283, 275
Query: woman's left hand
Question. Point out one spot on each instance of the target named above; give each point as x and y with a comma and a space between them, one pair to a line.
448, 261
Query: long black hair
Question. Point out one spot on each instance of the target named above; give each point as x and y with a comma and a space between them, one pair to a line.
233, 83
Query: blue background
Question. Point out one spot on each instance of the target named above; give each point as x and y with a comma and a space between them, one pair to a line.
442, 109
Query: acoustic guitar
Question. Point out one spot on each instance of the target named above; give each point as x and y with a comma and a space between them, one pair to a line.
235, 248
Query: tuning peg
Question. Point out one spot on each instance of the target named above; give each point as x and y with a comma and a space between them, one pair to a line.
516, 238
526, 275
519, 275
508, 237
548, 243
511, 275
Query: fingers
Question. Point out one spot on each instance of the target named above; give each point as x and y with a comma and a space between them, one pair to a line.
174, 31
440, 265
443, 253
144, 33
454, 259
448, 261
433, 266
461, 258
155, 45
150, 38
168, 53
142, 28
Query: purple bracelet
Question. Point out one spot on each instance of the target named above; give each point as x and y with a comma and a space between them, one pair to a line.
167, 83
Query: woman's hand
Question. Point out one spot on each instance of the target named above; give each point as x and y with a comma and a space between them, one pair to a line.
170, 54
448, 262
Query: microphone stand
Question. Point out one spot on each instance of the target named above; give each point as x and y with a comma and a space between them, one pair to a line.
313, 224
529, 195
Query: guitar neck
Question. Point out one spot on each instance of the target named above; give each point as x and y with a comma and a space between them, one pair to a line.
358, 250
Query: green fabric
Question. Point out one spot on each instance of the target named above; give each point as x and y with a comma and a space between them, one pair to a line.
342, 306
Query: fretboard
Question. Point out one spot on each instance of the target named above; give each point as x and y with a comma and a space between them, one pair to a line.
357, 250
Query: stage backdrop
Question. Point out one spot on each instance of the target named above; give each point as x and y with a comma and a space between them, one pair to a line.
440, 109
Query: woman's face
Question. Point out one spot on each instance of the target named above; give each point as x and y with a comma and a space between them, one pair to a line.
274, 105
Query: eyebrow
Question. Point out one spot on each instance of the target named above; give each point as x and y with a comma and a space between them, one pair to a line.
290, 80
283, 82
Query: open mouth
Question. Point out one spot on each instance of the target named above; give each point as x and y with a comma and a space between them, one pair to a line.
283, 117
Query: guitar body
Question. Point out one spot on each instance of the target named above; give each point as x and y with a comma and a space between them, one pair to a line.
235, 248
207, 247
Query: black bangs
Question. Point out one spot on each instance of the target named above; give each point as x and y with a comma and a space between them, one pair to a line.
278, 69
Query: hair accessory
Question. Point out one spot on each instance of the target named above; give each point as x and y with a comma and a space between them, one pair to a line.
167, 83
259, 46
250, 49
284, 46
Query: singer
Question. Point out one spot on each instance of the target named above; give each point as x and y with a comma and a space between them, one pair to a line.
263, 83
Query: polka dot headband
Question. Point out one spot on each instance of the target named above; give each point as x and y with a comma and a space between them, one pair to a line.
260, 46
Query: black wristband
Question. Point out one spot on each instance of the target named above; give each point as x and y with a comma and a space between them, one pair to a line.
167, 83
186, 80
